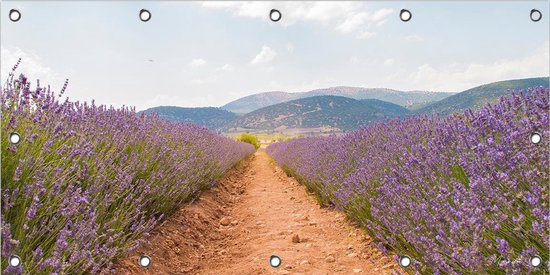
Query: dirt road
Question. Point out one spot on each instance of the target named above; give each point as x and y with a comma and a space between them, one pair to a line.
256, 211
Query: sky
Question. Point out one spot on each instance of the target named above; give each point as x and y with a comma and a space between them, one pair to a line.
193, 54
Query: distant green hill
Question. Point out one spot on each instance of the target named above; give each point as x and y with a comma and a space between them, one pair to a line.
253, 102
407, 99
318, 111
478, 97
209, 117
348, 110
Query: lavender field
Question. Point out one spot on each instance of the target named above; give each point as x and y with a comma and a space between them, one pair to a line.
464, 194
86, 182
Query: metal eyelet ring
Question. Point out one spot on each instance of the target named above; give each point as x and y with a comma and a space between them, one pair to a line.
275, 261
15, 15
144, 15
536, 261
535, 138
275, 15
535, 15
405, 261
405, 15
144, 261
15, 138
14, 261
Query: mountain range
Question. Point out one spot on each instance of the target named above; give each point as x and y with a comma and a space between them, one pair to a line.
329, 112
254, 102
211, 117
339, 108
480, 96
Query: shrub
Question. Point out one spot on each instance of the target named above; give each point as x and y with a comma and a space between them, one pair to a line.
248, 138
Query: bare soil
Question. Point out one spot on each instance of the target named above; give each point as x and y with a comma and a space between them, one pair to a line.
254, 212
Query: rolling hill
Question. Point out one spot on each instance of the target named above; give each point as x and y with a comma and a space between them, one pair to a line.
412, 98
477, 97
253, 102
333, 112
209, 117
343, 109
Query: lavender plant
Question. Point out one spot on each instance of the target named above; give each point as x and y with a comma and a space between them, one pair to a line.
86, 182
464, 194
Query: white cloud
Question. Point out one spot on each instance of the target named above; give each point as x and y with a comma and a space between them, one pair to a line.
381, 22
414, 37
203, 100
353, 22
389, 61
198, 62
205, 79
354, 60
163, 100
347, 17
219, 4
31, 65
266, 55
457, 78
198, 81
290, 47
365, 35
380, 15
292, 12
176, 100
225, 67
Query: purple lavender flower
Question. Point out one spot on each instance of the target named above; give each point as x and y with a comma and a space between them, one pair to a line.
95, 179
451, 192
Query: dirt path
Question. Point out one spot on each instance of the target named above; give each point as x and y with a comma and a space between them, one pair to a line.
257, 211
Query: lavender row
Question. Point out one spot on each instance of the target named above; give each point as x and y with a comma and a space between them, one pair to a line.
464, 194
86, 182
